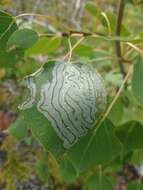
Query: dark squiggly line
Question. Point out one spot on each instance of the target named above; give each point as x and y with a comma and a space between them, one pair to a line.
80, 109
73, 109
84, 103
90, 100
53, 116
60, 103
31, 92
69, 78
88, 85
40, 106
52, 102
84, 79
93, 87
63, 107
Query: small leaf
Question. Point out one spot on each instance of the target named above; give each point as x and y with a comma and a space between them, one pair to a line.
44, 46
130, 134
83, 50
22, 39
137, 80
91, 8
7, 27
112, 18
19, 128
9, 59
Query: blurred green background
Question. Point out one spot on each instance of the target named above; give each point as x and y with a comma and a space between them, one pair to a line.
24, 164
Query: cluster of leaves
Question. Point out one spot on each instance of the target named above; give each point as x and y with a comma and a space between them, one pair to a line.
95, 159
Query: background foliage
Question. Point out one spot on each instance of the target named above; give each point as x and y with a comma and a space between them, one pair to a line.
32, 33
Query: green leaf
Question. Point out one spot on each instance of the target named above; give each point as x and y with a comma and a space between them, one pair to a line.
95, 154
83, 50
9, 59
44, 46
137, 80
130, 134
22, 39
89, 151
7, 27
92, 150
82, 160
112, 18
67, 171
41, 130
99, 182
19, 128
27, 68
91, 8
39, 125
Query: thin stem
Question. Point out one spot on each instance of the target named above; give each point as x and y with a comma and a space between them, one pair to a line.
117, 33
117, 96
73, 33
70, 50
73, 47
107, 21
134, 47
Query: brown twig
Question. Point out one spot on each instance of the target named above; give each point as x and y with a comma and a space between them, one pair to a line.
71, 34
117, 33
